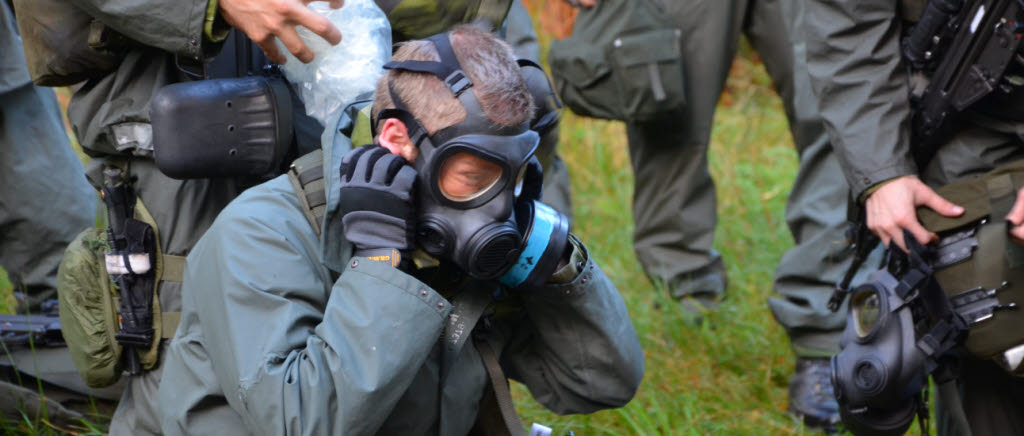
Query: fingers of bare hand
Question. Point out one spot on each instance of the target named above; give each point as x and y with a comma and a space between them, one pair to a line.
1017, 234
920, 233
316, 23
290, 38
896, 237
927, 197
1016, 215
270, 49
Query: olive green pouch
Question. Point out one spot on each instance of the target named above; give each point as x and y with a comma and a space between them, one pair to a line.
64, 45
88, 313
984, 255
623, 61
88, 301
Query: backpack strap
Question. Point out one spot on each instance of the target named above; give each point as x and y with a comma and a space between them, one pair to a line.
307, 177
496, 396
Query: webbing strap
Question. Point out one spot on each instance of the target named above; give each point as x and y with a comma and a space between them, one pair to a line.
448, 69
468, 307
307, 177
499, 386
174, 268
169, 324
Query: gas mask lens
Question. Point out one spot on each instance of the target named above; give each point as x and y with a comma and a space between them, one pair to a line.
463, 176
866, 308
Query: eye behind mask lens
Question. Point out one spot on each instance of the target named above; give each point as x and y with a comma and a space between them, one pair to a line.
463, 177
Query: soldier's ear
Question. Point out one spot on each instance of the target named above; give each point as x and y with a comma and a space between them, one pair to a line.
394, 136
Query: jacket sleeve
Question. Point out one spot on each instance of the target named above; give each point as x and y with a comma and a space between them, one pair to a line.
173, 26
293, 354
853, 54
576, 350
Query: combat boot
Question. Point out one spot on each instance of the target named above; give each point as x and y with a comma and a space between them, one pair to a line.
811, 397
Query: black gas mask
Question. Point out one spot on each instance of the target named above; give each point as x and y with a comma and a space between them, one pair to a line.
500, 230
898, 331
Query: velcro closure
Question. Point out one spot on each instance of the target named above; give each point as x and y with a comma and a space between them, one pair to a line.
169, 324
173, 268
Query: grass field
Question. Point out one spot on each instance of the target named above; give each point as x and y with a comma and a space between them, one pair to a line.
729, 375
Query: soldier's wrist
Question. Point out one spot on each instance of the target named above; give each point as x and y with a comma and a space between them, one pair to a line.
388, 256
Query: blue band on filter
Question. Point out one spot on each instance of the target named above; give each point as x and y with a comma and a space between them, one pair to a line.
544, 218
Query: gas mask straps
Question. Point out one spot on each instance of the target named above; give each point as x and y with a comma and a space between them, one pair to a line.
900, 328
479, 186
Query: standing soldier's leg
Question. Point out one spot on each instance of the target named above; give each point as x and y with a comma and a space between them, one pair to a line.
674, 196
45, 200
815, 214
519, 32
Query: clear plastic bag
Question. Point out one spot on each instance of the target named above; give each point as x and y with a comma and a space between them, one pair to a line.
338, 74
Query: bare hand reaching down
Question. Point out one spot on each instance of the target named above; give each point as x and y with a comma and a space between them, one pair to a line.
262, 20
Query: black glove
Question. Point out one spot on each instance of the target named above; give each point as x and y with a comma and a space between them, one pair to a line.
376, 200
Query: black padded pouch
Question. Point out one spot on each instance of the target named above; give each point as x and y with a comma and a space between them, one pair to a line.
222, 127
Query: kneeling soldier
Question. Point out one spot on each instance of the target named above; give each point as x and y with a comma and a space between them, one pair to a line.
327, 320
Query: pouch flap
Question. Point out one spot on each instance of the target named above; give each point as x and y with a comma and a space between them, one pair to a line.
975, 194
647, 47
972, 196
579, 62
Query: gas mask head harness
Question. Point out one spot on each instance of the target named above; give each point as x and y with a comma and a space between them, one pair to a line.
500, 230
901, 327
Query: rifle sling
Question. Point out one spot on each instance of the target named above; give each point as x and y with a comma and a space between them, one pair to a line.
498, 386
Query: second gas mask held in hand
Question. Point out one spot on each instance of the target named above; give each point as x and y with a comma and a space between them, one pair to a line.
879, 374
479, 187
900, 328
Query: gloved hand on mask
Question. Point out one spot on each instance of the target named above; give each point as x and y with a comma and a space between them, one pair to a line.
376, 201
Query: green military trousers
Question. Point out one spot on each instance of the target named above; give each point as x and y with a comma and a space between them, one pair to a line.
674, 198
45, 200
519, 32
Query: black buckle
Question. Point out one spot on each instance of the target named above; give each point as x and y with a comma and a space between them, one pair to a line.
458, 82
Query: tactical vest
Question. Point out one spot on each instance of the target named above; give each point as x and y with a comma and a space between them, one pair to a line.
979, 267
64, 45
89, 303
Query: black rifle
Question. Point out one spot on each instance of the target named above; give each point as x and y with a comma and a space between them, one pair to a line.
129, 260
975, 48
37, 330
860, 239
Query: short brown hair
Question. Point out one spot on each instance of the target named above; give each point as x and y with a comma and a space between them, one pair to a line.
488, 61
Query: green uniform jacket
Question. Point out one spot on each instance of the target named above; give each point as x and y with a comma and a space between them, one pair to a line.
270, 343
13, 74
853, 54
111, 114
